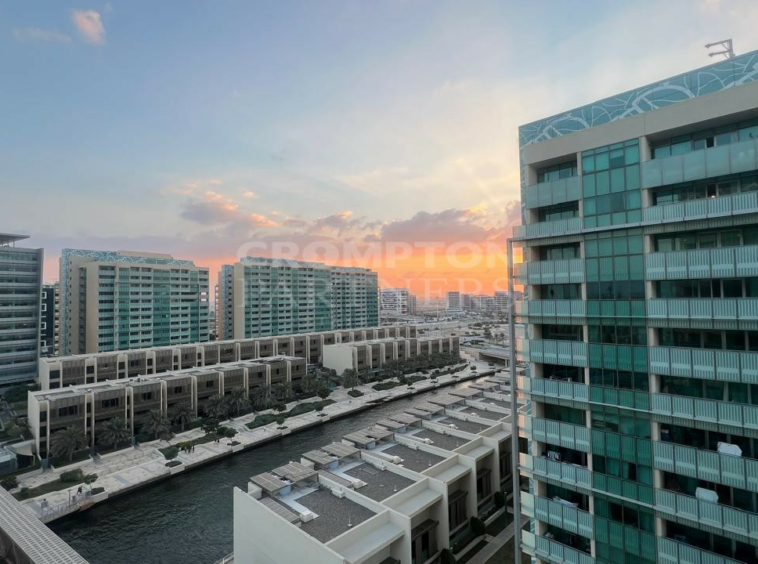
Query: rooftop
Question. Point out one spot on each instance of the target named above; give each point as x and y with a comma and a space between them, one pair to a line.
8, 238
494, 416
468, 426
416, 460
380, 484
335, 515
447, 442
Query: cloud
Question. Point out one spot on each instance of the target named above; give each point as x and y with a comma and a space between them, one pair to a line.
39, 34
249, 194
448, 226
215, 182
89, 25
262, 220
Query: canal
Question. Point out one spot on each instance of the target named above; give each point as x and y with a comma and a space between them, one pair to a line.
188, 519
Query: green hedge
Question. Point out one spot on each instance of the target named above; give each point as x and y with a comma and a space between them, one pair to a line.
268, 418
385, 386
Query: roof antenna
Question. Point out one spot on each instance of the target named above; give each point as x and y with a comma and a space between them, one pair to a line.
728, 49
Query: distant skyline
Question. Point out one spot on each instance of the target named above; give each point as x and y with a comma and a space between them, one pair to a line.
198, 129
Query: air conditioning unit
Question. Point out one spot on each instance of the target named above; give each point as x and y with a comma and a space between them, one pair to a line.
358, 484
429, 441
397, 459
338, 493
310, 515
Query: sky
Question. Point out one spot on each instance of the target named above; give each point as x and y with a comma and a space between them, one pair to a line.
379, 134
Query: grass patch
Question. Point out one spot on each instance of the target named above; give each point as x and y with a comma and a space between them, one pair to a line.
355, 393
385, 386
173, 464
71, 479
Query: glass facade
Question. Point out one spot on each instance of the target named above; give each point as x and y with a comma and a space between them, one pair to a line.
641, 345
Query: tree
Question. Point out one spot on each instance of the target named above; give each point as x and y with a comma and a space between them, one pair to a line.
171, 453
90, 479
17, 394
310, 383
282, 391
477, 526
323, 391
349, 378
261, 397
114, 431
67, 442
216, 407
182, 414
447, 556
365, 376
210, 426
237, 400
155, 424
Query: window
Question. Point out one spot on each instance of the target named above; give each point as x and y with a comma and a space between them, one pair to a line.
210, 384
109, 403
559, 252
177, 389
562, 332
558, 212
456, 509
147, 396
555, 172
725, 135
68, 411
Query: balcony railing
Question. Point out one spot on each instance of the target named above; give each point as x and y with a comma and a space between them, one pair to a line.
565, 516
561, 434
673, 552
554, 388
726, 262
704, 309
732, 366
722, 517
566, 353
726, 469
569, 473
576, 309
698, 165
548, 228
568, 271
705, 410
553, 551
555, 192
702, 209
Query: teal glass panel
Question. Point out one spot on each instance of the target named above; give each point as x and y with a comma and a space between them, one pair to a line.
632, 177
603, 183
588, 182
617, 180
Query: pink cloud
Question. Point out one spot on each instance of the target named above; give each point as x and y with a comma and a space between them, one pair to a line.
89, 25
262, 220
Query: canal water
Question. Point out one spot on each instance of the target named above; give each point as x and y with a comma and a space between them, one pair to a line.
188, 519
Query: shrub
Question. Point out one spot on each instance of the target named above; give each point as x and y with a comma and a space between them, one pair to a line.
227, 432
499, 500
323, 393
355, 393
72, 476
89, 478
477, 526
280, 407
173, 463
319, 407
171, 453
96, 491
9, 483
447, 556
280, 420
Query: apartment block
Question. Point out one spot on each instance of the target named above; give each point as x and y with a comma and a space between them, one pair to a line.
454, 302
640, 244
266, 297
90, 406
398, 491
113, 301
50, 324
20, 295
75, 370
396, 301
373, 354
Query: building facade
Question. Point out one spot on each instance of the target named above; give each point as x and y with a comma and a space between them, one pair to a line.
62, 372
266, 297
20, 295
113, 301
454, 301
396, 301
398, 491
640, 243
50, 328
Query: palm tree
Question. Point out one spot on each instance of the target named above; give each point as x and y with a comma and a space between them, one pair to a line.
282, 391
67, 442
237, 401
182, 414
215, 407
261, 396
349, 378
114, 431
310, 384
156, 424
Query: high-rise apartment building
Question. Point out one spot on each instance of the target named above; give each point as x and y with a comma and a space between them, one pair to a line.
502, 301
20, 291
50, 320
395, 301
265, 297
640, 243
454, 301
122, 300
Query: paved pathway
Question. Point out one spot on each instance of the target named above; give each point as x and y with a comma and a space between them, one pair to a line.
130, 468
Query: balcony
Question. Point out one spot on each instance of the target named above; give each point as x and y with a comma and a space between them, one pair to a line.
732, 366
553, 551
566, 353
554, 388
548, 228
703, 513
568, 473
706, 411
561, 311
673, 552
729, 262
698, 165
703, 312
555, 192
566, 517
726, 469
702, 209
569, 271
560, 434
